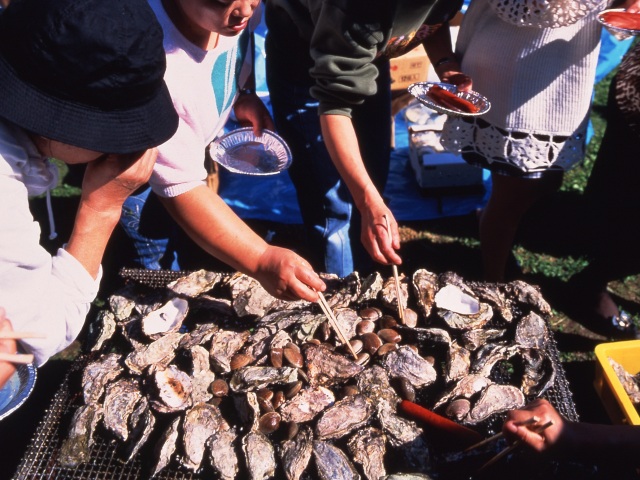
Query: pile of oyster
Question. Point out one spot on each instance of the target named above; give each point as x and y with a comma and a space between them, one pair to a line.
213, 374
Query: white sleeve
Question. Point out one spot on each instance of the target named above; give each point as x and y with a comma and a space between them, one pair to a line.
40, 293
545, 13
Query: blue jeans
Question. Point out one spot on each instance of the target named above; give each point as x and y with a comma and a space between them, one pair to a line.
331, 222
150, 228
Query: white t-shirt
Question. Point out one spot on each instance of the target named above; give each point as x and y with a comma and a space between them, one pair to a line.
203, 85
40, 293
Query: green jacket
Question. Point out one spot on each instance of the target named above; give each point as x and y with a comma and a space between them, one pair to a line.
334, 43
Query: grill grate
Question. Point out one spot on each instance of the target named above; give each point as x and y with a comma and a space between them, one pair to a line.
41, 459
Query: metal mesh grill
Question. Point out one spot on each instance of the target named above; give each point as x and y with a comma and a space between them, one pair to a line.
41, 458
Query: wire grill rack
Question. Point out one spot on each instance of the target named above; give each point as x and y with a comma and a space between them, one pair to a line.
41, 459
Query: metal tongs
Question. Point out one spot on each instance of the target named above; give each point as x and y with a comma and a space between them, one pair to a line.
534, 427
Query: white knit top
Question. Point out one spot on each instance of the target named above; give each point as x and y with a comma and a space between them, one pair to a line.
535, 61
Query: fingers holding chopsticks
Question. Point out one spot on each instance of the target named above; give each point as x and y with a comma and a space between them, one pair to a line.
538, 439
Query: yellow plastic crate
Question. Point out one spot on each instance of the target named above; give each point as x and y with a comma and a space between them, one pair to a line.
611, 392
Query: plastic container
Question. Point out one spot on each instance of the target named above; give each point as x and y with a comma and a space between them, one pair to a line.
611, 392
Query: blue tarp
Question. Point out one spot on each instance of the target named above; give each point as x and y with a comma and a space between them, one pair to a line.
273, 198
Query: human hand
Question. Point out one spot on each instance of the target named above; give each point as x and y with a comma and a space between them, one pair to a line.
110, 179
461, 80
379, 234
251, 112
549, 439
632, 6
7, 369
287, 276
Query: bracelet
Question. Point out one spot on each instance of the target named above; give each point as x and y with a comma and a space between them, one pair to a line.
247, 91
444, 61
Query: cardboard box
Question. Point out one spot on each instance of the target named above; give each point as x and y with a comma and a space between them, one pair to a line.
410, 68
435, 168
611, 392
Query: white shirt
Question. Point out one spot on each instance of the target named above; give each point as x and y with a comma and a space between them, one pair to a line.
203, 85
40, 293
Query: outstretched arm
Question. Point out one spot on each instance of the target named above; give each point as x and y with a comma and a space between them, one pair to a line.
445, 63
6, 346
219, 231
342, 144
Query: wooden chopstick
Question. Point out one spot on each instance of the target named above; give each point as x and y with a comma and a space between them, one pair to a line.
529, 421
334, 323
21, 358
513, 446
10, 335
396, 278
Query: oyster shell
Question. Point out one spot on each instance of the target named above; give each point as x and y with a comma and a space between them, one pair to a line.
531, 332
344, 290
101, 330
195, 283
307, 404
325, 367
260, 455
76, 447
332, 463
141, 425
388, 294
476, 338
370, 288
200, 422
425, 286
296, 453
466, 387
459, 321
628, 381
98, 374
344, 416
368, 446
489, 355
201, 374
167, 318
222, 454
161, 352
539, 373
528, 295
172, 389
248, 379
199, 335
458, 409
120, 401
406, 363
404, 435
374, 383
165, 447
224, 345
458, 362
495, 399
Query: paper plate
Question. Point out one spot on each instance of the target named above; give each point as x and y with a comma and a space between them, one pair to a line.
17, 389
240, 151
420, 89
618, 32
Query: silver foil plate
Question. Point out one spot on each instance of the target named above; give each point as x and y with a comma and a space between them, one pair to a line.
240, 151
16, 391
618, 32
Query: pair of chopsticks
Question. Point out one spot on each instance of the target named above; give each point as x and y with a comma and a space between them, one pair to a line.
395, 276
18, 358
334, 323
535, 428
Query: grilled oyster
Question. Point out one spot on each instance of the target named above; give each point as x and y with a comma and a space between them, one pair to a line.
374, 383
476, 338
195, 283
367, 446
489, 355
344, 416
199, 335
222, 454
98, 374
166, 447
332, 463
388, 294
344, 291
248, 409
120, 400
171, 389
307, 404
325, 367
201, 374
224, 345
425, 286
466, 387
539, 373
531, 331
370, 288
406, 363
141, 425
122, 303
458, 362
101, 330
200, 422
260, 455
495, 399
296, 453
404, 435
161, 352
458, 321
76, 447
248, 379
528, 296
